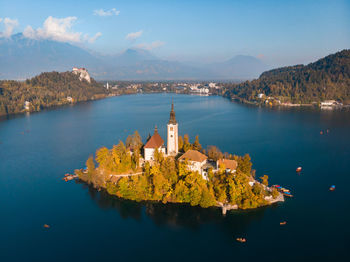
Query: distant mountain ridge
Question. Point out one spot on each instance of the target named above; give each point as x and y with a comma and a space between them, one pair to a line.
21, 58
244, 67
327, 78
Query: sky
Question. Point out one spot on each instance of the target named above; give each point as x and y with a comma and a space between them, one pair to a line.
280, 32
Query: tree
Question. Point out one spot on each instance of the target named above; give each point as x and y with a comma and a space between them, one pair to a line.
245, 164
134, 142
264, 180
214, 153
158, 156
90, 166
274, 193
102, 156
187, 145
181, 143
196, 145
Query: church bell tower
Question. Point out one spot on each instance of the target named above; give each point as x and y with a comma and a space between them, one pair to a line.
173, 139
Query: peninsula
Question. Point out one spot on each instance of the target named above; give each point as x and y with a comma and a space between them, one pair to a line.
180, 172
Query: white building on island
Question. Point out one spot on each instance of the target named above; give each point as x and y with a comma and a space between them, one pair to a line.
173, 133
154, 143
195, 161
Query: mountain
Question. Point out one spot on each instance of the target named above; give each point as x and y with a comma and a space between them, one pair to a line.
21, 58
132, 56
327, 78
239, 67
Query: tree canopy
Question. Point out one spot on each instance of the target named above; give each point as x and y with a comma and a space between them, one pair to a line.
327, 78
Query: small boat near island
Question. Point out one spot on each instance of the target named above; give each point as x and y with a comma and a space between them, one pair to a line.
67, 177
284, 191
241, 239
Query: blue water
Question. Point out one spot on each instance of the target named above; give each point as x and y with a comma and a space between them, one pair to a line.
36, 150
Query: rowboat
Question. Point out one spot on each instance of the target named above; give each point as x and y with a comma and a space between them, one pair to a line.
241, 239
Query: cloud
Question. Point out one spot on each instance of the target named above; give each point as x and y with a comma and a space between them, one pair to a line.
151, 46
134, 35
59, 29
93, 39
9, 25
101, 12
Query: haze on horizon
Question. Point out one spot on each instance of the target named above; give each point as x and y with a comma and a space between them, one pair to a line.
277, 32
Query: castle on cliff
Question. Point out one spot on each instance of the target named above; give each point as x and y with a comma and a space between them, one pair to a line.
83, 74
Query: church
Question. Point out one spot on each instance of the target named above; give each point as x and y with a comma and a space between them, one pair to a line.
157, 143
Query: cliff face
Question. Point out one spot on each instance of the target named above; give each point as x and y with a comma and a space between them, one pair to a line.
83, 74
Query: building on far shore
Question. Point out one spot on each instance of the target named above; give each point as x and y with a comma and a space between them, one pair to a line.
154, 143
330, 104
195, 161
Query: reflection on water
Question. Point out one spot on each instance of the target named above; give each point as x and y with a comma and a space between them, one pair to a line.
175, 215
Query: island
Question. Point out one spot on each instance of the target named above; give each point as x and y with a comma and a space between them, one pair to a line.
180, 172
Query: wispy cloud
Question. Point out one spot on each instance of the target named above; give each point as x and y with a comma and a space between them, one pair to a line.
134, 35
93, 39
59, 29
153, 45
9, 25
101, 12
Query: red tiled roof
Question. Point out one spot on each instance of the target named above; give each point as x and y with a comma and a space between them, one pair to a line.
155, 141
193, 155
230, 164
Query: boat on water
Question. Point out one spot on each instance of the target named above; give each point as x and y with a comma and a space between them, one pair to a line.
332, 188
284, 191
241, 239
299, 169
68, 177
283, 223
288, 194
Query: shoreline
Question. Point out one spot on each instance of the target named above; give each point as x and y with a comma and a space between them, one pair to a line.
286, 105
232, 99
223, 206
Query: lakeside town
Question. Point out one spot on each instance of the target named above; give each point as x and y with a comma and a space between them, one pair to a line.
202, 88
281, 87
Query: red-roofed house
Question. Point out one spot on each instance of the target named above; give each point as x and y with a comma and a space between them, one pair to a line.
228, 164
195, 160
155, 142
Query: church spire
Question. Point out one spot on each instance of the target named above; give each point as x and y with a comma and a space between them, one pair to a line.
172, 119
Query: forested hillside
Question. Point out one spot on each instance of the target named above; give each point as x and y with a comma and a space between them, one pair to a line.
327, 78
46, 90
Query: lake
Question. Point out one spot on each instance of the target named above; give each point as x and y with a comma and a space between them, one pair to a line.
36, 150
